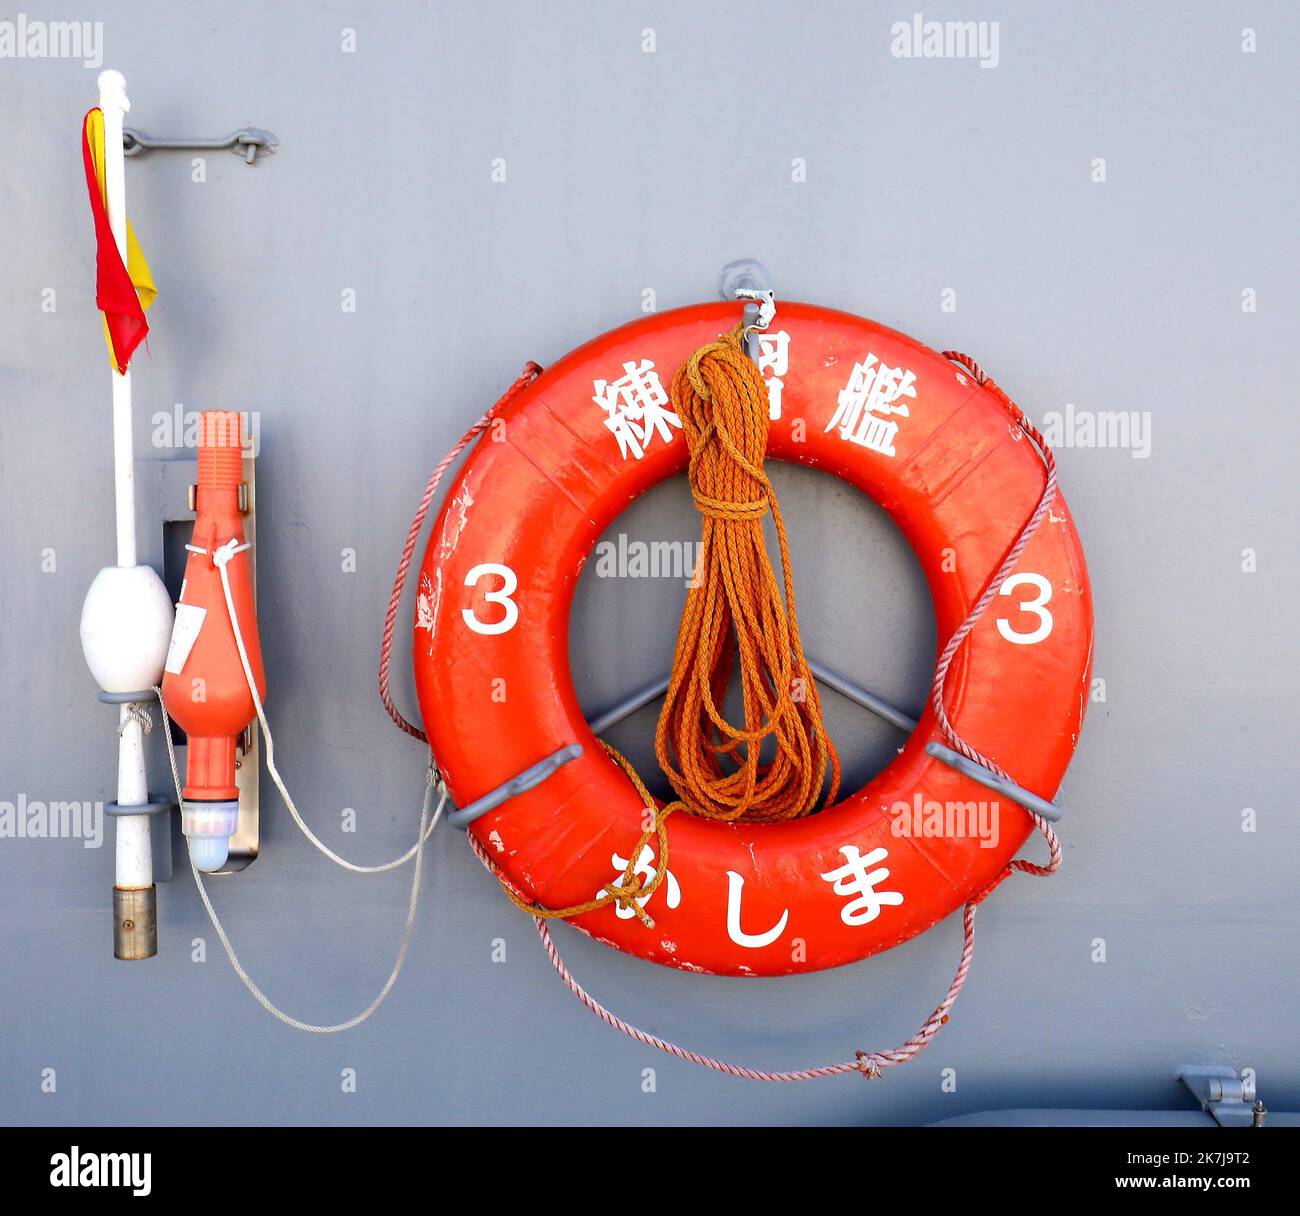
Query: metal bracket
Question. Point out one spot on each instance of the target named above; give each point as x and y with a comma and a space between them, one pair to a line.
868, 700
628, 706
248, 142
999, 785
766, 302
900, 718
160, 821
155, 806
193, 492
128, 698
1228, 1098
518, 784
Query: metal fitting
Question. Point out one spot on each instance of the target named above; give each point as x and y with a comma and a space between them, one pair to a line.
135, 922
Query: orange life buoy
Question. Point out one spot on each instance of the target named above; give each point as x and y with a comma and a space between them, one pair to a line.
941, 454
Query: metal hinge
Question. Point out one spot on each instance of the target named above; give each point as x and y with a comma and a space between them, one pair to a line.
1225, 1096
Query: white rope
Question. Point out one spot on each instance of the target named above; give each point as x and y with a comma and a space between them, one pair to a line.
136, 712
221, 557
261, 997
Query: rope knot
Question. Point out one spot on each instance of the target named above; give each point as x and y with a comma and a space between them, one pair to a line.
867, 1065
136, 712
630, 894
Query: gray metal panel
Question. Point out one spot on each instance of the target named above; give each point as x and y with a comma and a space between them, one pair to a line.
629, 171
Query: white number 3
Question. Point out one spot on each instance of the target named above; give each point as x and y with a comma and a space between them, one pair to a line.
501, 596
1037, 606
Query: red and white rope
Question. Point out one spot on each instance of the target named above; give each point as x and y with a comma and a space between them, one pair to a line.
526, 377
869, 1064
991, 589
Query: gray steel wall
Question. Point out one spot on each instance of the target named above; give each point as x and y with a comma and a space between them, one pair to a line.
629, 170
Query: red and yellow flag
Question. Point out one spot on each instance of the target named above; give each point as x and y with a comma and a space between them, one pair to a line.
121, 292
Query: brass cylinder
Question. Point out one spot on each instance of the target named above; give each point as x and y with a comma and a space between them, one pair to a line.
135, 922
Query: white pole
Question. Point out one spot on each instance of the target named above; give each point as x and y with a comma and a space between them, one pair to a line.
113, 102
134, 851
134, 867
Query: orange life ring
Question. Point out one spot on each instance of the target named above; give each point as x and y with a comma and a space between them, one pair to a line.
940, 453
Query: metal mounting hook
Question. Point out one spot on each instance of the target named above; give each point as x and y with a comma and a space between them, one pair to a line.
766, 301
747, 279
248, 142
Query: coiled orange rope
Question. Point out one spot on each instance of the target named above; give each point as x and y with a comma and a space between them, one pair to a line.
736, 608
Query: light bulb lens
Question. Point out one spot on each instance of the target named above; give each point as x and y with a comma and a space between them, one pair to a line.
209, 853
208, 827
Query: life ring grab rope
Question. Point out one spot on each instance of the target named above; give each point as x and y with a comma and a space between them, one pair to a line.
869, 1064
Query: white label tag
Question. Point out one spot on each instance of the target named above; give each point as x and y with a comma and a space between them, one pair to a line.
185, 632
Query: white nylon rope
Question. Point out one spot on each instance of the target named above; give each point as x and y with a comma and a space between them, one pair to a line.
221, 557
